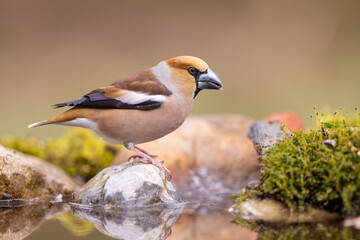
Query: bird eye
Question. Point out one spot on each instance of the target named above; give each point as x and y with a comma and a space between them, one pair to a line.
193, 71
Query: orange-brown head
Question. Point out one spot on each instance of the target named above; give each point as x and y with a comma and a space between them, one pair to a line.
187, 74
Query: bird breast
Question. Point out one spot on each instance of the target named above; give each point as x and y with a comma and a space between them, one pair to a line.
118, 126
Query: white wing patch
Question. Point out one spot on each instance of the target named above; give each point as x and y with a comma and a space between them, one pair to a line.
81, 122
131, 97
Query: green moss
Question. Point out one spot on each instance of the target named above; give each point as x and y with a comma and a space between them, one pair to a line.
79, 152
305, 169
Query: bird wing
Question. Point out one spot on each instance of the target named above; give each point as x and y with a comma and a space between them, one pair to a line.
137, 91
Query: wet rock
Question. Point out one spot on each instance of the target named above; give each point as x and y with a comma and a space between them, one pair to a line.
132, 225
272, 211
209, 157
267, 210
290, 119
129, 185
19, 222
29, 178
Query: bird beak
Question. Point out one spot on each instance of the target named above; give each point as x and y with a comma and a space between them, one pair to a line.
209, 80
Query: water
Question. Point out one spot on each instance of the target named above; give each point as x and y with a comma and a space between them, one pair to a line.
182, 222
191, 221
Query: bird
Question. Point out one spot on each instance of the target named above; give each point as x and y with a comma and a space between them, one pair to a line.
141, 107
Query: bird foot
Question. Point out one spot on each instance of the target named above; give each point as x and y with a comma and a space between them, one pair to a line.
134, 157
147, 158
155, 163
144, 159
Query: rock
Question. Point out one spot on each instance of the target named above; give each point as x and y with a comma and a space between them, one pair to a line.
272, 211
209, 157
330, 142
265, 135
291, 119
29, 178
129, 185
132, 225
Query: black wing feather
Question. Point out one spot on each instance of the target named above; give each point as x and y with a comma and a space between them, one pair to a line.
99, 100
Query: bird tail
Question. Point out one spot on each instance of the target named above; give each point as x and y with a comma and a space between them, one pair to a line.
69, 115
37, 124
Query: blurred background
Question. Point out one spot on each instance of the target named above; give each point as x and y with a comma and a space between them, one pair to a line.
271, 55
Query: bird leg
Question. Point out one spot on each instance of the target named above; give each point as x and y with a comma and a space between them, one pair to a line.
147, 158
146, 152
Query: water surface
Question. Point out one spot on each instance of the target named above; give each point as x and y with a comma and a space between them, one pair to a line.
191, 221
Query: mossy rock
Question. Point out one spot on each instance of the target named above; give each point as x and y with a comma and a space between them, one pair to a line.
316, 168
78, 152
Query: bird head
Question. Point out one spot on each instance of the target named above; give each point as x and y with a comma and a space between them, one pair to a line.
191, 74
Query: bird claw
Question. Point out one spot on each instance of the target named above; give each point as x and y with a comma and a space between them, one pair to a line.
134, 157
156, 163
143, 160
147, 158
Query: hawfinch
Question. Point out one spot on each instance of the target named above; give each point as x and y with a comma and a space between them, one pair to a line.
141, 107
